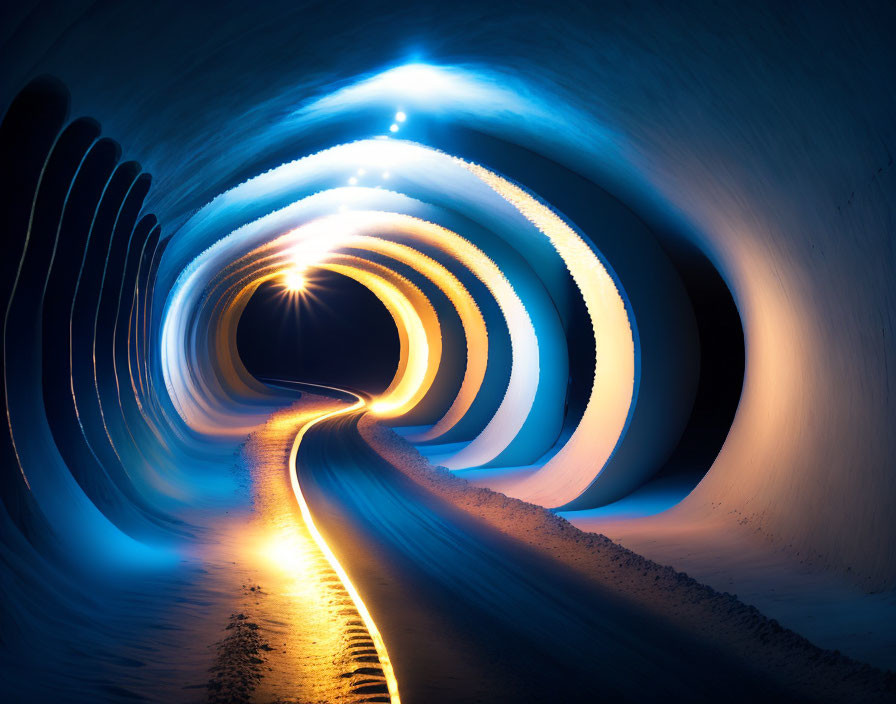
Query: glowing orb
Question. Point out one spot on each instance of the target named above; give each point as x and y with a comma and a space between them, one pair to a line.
294, 281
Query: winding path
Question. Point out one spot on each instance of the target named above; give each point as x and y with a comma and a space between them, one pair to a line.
470, 615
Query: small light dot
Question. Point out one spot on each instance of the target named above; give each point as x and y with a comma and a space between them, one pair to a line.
361, 172
343, 208
385, 174
400, 116
352, 181
393, 128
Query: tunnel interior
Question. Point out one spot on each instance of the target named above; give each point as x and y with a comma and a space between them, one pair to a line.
630, 271
336, 333
721, 377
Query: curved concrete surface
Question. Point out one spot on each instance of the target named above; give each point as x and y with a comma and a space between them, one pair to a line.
761, 134
641, 265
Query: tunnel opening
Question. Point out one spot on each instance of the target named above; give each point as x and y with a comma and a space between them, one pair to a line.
335, 332
146, 478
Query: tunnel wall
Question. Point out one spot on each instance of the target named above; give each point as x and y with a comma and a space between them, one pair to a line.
762, 134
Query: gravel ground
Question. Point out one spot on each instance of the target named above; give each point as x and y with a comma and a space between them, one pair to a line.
718, 618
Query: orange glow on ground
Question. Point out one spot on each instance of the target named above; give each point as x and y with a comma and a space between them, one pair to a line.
305, 604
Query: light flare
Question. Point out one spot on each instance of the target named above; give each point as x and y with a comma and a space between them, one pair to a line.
294, 281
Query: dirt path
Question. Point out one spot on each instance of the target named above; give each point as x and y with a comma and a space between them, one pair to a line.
297, 636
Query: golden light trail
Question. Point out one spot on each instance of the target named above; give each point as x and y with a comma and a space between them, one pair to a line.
416, 320
363, 611
301, 606
318, 245
507, 421
418, 326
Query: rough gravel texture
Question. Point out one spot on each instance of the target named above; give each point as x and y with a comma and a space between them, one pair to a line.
718, 618
238, 665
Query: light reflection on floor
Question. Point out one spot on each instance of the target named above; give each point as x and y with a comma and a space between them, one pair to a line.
321, 650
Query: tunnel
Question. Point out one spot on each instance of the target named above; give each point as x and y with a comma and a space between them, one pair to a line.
506, 352
320, 338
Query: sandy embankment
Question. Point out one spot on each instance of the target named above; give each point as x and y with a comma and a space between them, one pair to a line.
719, 619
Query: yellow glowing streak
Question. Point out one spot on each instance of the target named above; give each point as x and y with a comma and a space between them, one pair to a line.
317, 248
363, 612
521, 387
471, 319
317, 243
408, 306
235, 383
415, 318
250, 272
421, 341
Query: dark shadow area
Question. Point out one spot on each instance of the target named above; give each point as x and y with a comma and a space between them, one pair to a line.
337, 333
27, 134
721, 366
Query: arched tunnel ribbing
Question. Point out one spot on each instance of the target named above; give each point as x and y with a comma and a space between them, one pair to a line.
609, 289
112, 428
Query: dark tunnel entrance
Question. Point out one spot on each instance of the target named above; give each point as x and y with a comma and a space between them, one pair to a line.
336, 333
